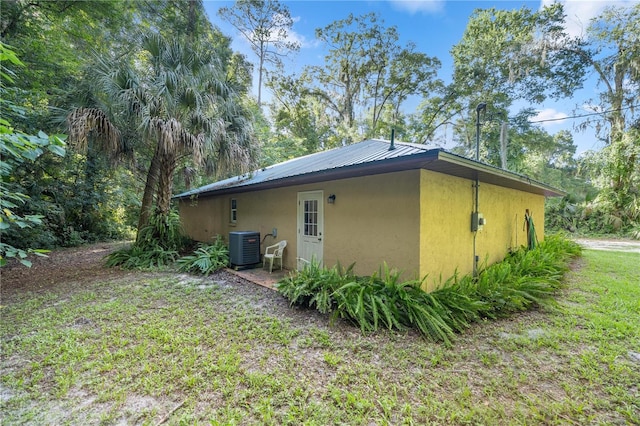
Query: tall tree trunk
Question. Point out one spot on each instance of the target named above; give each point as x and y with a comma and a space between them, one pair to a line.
260, 71
149, 191
191, 22
90, 172
165, 183
616, 139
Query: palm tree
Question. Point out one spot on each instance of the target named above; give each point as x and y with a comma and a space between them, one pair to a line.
185, 110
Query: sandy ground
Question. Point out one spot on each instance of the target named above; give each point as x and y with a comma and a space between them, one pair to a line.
69, 266
86, 263
610, 245
67, 270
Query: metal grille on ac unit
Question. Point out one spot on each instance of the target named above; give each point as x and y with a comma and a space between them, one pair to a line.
244, 248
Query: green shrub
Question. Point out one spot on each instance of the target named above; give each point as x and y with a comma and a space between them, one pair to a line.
207, 258
461, 308
139, 256
315, 285
163, 230
158, 245
526, 278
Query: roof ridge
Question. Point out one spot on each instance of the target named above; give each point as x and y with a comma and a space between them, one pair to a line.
369, 155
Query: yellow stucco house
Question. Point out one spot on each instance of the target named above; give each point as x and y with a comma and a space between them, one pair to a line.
423, 211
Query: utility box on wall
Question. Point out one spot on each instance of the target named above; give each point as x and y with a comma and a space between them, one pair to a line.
477, 222
244, 248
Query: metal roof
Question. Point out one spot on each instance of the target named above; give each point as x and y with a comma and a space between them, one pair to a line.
369, 157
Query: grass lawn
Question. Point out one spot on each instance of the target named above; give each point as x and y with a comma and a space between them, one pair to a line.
179, 349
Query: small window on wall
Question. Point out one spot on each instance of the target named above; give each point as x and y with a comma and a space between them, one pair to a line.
233, 217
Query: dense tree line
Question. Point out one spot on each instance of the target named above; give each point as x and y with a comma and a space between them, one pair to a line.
504, 58
145, 91
153, 98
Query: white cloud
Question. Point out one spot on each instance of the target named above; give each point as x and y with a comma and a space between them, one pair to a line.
290, 36
580, 12
555, 117
418, 6
304, 42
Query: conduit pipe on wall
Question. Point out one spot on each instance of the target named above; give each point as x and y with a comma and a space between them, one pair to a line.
482, 106
475, 233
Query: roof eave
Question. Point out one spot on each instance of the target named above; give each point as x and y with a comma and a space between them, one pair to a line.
356, 170
437, 160
491, 174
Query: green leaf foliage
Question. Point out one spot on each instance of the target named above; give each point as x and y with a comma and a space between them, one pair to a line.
163, 230
158, 244
525, 279
207, 258
142, 257
17, 148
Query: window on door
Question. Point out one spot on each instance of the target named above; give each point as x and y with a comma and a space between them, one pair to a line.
311, 218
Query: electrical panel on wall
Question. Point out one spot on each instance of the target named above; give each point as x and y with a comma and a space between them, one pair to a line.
477, 222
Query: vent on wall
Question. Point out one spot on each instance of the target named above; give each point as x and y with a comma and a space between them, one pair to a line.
244, 248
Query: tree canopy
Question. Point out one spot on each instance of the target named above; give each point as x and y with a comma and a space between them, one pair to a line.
265, 24
153, 98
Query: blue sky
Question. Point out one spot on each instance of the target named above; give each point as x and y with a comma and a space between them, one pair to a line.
434, 26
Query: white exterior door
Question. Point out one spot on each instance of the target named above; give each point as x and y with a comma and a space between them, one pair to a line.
310, 226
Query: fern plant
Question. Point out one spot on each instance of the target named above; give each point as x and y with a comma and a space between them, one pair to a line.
140, 256
315, 286
157, 245
207, 258
163, 230
524, 279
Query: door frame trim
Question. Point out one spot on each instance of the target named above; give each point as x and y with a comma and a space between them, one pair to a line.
299, 218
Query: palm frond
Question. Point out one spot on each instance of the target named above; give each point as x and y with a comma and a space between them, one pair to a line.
83, 123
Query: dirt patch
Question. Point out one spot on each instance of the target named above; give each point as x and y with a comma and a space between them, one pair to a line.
61, 267
610, 245
66, 270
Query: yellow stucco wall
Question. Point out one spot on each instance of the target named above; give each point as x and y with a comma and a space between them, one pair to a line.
504, 210
375, 218
446, 243
417, 221
260, 211
203, 219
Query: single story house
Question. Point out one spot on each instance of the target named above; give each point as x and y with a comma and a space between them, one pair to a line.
423, 211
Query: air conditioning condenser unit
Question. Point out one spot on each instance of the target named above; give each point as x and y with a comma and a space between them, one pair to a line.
244, 248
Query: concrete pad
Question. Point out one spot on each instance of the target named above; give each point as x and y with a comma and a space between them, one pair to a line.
261, 276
